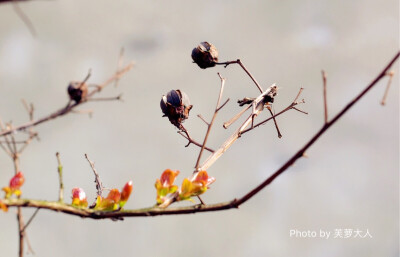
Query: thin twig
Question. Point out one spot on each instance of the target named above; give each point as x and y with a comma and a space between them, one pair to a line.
32, 135
60, 178
291, 106
294, 108
99, 185
202, 118
25, 19
212, 121
236, 117
89, 74
120, 63
113, 98
222, 105
325, 98
238, 61
235, 203
30, 220
390, 74
186, 135
29, 108
276, 124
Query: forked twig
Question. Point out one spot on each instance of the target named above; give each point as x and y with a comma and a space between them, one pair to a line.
67, 109
291, 106
217, 108
276, 123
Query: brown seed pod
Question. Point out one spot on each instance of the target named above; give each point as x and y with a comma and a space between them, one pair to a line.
176, 106
77, 91
205, 55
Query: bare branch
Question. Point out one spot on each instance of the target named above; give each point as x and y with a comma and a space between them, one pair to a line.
276, 124
60, 178
30, 220
325, 99
25, 19
67, 109
238, 61
390, 74
202, 118
235, 203
186, 135
212, 121
99, 185
291, 106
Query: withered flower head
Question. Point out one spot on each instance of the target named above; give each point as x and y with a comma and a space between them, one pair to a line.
205, 55
176, 106
77, 91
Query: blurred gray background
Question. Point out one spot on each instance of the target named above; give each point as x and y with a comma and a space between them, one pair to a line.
349, 180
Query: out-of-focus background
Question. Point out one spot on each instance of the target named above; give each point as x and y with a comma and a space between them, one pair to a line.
349, 180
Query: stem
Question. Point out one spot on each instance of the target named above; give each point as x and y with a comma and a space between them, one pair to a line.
325, 99
60, 176
238, 61
217, 108
69, 107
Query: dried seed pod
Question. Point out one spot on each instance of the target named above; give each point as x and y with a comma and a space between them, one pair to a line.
77, 91
205, 55
176, 106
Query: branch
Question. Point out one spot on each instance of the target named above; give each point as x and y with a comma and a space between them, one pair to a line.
235, 203
186, 135
99, 185
390, 74
325, 100
291, 106
60, 170
217, 108
67, 109
238, 61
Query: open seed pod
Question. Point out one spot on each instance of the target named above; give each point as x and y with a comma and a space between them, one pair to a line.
205, 55
77, 91
176, 106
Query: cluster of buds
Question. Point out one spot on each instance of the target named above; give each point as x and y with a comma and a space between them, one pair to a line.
205, 55
77, 91
176, 106
197, 186
14, 186
115, 199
